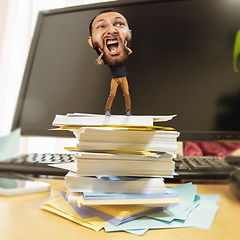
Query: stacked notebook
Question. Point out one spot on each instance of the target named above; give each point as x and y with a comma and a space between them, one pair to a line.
121, 162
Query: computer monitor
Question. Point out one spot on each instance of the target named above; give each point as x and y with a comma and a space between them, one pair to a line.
182, 63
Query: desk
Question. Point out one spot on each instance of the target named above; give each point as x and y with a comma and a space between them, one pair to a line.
22, 218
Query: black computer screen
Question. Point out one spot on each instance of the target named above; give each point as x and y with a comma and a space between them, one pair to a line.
182, 63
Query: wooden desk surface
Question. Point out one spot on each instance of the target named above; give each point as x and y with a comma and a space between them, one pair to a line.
22, 218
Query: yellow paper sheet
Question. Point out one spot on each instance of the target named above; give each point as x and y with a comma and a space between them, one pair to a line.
60, 207
132, 152
132, 128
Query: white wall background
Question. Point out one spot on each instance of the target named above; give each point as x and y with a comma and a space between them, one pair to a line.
17, 22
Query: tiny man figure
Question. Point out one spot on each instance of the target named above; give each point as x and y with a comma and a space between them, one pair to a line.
111, 38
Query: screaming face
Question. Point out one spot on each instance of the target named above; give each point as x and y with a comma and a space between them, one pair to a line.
111, 37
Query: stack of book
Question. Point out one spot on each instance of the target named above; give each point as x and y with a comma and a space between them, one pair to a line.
121, 160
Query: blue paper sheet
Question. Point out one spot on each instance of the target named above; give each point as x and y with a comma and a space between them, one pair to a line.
200, 214
203, 215
187, 194
184, 215
9, 145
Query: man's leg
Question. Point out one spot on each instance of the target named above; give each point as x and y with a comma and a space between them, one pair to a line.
126, 94
113, 89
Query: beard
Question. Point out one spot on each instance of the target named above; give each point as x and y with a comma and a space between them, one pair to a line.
115, 60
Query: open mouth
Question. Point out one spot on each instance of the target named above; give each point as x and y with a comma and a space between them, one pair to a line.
112, 46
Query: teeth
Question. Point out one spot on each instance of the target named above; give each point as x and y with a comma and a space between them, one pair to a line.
111, 42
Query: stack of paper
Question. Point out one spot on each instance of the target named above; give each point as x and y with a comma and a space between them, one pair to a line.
121, 166
126, 139
122, 150
117, 182
112, 184
160, 164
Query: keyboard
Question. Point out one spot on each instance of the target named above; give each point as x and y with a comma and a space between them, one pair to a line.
202, 167
185, 167
36, 164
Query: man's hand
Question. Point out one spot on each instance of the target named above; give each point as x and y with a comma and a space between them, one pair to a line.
99, 60
128, 49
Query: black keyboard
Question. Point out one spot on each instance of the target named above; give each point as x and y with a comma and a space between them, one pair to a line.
186, 167
202, 167
37, 164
